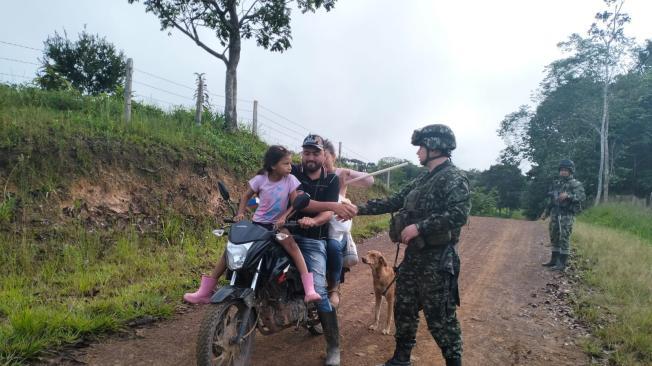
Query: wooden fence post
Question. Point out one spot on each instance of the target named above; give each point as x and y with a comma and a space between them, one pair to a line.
199, 106
254, 121
128, 78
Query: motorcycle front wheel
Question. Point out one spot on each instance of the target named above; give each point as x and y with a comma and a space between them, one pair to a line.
216, 345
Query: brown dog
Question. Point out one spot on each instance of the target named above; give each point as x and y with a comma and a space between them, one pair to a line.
383, 275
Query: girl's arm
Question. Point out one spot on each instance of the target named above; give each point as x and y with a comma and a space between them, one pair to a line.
243, 204
349, 174
284, 217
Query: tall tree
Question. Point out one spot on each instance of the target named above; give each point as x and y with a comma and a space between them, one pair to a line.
601, 56
231, 21
91, 64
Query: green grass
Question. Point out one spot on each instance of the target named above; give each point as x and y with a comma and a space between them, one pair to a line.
628, 218
85, 283
615, 267
367, 226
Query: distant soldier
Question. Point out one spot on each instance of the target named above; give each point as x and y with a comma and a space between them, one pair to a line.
429, 214
565, 201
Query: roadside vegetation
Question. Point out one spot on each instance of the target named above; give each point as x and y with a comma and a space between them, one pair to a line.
365, 227
635, 220
65, 277
614, 251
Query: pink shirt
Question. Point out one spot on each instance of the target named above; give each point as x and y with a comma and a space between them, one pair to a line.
274, 196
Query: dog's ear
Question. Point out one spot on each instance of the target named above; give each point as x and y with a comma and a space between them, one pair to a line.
381, 260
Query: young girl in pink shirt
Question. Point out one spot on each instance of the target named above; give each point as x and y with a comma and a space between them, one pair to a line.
275, 187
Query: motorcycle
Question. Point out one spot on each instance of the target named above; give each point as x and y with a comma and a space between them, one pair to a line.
265, 293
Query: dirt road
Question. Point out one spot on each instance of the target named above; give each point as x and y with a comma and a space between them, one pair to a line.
506, 314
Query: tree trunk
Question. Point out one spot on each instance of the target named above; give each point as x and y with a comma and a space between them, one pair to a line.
603, 146
231, 84
230, 98
605, 117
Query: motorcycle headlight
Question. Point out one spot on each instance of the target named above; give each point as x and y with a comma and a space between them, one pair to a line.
236, 254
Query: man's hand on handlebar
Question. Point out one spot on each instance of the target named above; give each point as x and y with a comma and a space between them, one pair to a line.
238, 217
307, 222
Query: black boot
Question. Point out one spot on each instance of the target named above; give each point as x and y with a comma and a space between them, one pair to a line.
332, 335
401, 353
553, 260
561, 263
453, 362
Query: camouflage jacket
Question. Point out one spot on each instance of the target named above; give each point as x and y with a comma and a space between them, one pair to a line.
570, 206
438, 202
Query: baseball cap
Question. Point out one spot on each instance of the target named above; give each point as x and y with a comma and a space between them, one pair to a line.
315, 141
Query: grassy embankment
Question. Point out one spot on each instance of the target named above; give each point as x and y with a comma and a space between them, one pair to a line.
72, 265
66, 272
614, 247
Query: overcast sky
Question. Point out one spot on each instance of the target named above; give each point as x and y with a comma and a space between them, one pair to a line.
367, 73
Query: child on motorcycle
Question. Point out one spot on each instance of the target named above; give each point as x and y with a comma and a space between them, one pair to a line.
274, 186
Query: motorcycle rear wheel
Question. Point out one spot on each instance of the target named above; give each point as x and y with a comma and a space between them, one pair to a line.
219, 327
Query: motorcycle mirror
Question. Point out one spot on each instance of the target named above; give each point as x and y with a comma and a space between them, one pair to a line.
301, 202
218, 232
223, 191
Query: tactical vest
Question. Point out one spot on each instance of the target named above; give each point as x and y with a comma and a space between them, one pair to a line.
566, 207
420, 203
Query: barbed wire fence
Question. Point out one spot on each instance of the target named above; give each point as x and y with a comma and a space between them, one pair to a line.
156, 90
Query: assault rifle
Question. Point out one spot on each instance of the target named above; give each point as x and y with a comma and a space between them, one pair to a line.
554, 194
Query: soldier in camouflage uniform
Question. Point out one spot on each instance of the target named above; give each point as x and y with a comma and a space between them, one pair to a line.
429, 214
565, 202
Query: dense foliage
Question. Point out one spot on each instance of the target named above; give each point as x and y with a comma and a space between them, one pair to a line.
91, 65
566, 123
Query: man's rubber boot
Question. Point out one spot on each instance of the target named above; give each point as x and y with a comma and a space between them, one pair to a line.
561, 263
401, 353
453, 362
332, 335
553, 260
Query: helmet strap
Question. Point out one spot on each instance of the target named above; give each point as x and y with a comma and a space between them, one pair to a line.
431, 158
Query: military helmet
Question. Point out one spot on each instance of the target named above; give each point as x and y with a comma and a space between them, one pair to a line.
436, 136
567, 164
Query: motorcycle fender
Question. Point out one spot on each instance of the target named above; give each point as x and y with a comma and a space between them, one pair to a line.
231, 293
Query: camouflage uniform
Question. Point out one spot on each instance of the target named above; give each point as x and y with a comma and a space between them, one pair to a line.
438, 203
562, 214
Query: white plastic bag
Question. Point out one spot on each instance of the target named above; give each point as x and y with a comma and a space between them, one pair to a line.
350, 251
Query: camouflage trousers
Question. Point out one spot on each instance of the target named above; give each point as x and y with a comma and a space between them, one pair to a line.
560, 228
427, 280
